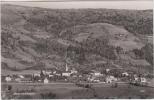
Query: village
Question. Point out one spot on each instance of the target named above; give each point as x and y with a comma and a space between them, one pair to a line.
71, 75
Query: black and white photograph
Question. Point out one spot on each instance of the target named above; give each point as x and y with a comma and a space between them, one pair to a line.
77, 49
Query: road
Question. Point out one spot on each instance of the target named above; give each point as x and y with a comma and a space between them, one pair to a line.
59, 83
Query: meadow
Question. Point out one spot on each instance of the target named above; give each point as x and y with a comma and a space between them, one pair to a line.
72, 91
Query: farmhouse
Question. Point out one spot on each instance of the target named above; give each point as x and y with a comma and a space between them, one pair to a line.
96, 80
48, 72
73, 71
107, 70
21, 76
51, 75
8, 79
46, 80
66, 74
136, 78
95, 73
143, 79
37, 74
18, 79
54, 72
125, 74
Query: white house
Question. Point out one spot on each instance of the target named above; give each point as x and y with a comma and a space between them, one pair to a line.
96, 80
18, 79
136, 78
58, 74
51, 75
37, 74
8, 79
80, 75
73, 71
46, 80
97, 74
66, 74
44, 72
143, 80
111, 79
54, 72
91, 79
107, 70
48, 72
21, 76
125, 74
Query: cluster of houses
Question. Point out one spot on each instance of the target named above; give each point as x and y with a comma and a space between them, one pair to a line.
72, 75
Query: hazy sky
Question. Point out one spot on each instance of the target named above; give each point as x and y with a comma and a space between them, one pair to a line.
128, 4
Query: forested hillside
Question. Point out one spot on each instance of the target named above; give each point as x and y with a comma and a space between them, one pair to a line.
38, 38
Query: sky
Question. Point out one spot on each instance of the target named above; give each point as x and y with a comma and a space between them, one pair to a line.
110, 4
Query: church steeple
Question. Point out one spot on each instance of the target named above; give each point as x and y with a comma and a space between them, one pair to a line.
66, 67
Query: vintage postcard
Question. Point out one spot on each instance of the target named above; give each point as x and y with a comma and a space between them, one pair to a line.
77, 49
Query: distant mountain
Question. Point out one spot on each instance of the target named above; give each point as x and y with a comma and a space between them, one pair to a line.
38, 38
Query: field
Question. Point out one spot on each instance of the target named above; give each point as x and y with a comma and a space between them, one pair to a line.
70, 90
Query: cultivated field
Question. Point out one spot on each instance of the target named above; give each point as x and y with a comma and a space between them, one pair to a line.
70, 90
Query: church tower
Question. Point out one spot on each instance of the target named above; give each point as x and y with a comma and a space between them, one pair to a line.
66, 67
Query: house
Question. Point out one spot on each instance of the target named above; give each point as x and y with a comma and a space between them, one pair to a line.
66, 74
107, 70
48, 72
96, 80
136, 78
18, 79
37, 74
21, 76
73, 71
46, 80
125, 74
54, 72
79, 75
44, 72
90, 79
39, 80
143, 80
95, 73
110, 79
93, 79
8, 78
58, 74
51, 75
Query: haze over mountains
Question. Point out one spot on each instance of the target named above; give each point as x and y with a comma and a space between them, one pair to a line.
39, 38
